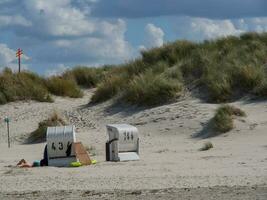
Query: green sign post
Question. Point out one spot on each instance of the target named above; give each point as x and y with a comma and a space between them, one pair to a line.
7, 120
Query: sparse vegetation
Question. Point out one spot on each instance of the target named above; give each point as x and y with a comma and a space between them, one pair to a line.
206, 146
39, 135
223, 119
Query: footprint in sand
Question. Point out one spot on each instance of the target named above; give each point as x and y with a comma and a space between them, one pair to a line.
253, 126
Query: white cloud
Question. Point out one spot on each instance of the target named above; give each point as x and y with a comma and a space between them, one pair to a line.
6, 20
253, 24
7, 55
71, 32
58, 18
153, 36
115, 48
209, 29
203, 28
108, 45
63, 31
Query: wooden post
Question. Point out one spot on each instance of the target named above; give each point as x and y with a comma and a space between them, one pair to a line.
8, 137
8, 134
19, 64
18, 54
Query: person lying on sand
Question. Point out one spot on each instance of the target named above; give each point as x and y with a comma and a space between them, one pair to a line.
44, 162
24, 164
37, 163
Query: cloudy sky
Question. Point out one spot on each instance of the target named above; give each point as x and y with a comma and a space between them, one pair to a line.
59, 34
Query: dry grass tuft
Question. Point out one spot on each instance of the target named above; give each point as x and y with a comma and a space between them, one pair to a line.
39, 135
206, 146
223, 119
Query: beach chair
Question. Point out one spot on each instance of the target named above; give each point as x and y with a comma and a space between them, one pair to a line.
60, 142
123, 143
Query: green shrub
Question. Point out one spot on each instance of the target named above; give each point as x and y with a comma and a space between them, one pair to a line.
30, 86
62, 87
173, 73
119, 78
206, 146
150, 89
159, 67
248, 77
261, 90
196, 65
231, 110
170, 53
84, 76
223, 122
249, 36
133, 68
39, 135
223, 119
3, 99
33, 86
108, 88
22, 86
218, 86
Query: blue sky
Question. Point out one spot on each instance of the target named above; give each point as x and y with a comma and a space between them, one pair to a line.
58, 34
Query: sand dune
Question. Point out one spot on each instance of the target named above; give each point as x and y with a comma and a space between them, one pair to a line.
236, 168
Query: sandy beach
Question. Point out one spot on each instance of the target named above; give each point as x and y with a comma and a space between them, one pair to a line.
171, 165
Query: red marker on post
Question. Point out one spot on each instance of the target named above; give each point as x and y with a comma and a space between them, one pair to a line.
18, 54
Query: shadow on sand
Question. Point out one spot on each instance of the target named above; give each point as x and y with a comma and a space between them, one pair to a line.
207, 131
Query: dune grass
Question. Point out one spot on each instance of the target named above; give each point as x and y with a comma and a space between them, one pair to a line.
30, 86
261, 89
39, 135
23, 86
206, 146
223, 119
151, 89
221, 70
85, 76
224, 70
63, 87
108, 88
